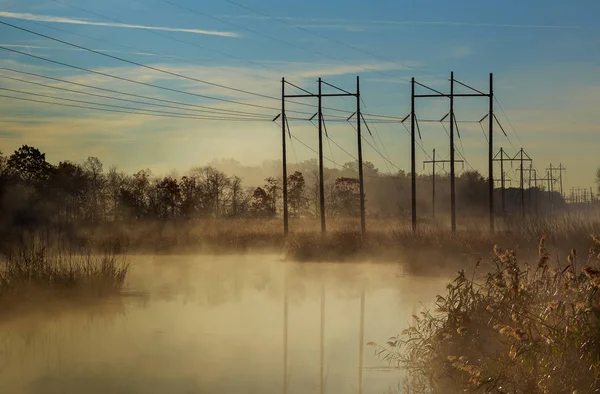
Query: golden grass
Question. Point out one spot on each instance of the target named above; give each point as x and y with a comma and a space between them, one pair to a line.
35, 272
431, 248
515, 328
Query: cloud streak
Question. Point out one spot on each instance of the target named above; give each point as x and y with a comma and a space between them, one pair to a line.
22, 46
359, 25
59, 19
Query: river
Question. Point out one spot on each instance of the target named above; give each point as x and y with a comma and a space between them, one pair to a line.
219, 324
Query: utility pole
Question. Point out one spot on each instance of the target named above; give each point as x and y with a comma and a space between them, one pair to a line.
561, 169
537, 197
503, 181
452, 173
321, 176
551, 181
434, 162
432, 187
502, 176
284, 160
531, 170
363, 226
491, 153
522, 159
359, 119
413, 169
522, 185
452, 96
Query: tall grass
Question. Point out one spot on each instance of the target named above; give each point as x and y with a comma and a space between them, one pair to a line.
33, 271
518, 328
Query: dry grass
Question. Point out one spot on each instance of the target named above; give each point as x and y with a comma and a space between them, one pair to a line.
519, 328
33, 272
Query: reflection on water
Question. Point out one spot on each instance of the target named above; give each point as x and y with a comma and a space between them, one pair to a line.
235, 324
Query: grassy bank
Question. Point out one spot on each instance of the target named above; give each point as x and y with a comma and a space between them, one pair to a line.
517, 327
33, 272
433, 247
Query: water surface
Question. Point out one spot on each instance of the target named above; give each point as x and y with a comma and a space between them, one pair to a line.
219, 324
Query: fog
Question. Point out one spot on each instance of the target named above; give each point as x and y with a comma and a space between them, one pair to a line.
215, 324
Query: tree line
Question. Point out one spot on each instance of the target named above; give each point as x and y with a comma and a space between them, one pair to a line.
34, 192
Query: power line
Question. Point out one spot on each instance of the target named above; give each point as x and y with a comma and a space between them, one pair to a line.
155, 69
176, 40
220, 111
190, 43
380, 154
253, 31
118, 111
119, 99
420, 145
119, 106
509, 122
330, 39
338, 164
138, 82
202, 47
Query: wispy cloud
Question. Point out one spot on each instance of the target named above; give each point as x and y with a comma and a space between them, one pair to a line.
59, 19
349, 69
346, 24
25, 46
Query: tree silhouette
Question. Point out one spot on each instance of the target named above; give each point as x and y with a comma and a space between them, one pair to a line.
345, 197
29, 164
296, 194
261, 203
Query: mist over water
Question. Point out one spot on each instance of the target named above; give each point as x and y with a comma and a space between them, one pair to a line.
215, 324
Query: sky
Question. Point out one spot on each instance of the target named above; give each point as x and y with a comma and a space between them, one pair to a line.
186, 82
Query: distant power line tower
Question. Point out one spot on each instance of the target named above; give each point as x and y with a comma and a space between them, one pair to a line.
285, 126
491, 118
434, 162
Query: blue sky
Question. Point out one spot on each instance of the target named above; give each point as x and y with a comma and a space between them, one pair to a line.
542, 53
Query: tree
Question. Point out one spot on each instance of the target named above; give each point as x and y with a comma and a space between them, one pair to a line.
598, 179
239, 199
94, 167
168, 196
345, 197
296, 193
115, 181
134, 194
472, 190
71, 185
29, 165
190, 197
272, 187
213, 184
261, 204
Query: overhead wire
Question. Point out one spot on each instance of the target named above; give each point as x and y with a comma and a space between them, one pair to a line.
137, 82
138, 64
175, 39
341, 166
420, 145
253, 31
123, 107
193, 44
119, 111
218, 110
118, 98
322, 36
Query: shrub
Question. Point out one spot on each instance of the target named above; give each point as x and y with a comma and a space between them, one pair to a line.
518, 329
